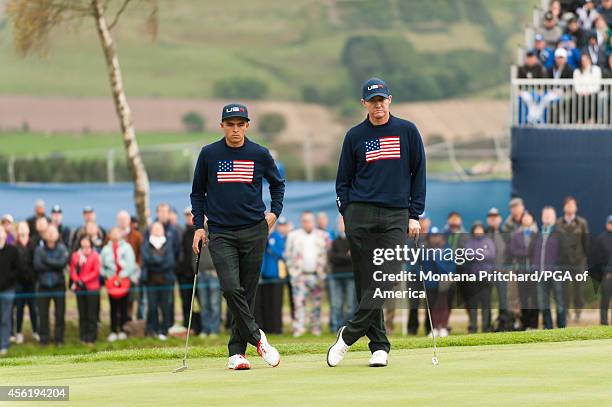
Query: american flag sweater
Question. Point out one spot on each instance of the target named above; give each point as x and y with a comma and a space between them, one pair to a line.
227, 186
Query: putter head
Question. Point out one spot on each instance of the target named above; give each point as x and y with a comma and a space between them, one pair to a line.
180, 369
434, 360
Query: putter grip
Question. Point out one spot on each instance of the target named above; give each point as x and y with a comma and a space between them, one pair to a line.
197, 270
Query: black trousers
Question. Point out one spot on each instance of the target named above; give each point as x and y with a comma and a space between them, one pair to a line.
369, 227
237, 256
269, 307
88, 304
118, 312
58, 296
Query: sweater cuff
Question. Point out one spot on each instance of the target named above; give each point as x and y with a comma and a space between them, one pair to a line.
276, 212
415, 217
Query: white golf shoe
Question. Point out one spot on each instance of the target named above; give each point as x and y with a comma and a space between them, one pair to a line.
238, 362
336, 352
267, 351
379, 358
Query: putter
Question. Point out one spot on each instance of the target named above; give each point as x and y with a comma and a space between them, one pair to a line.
434, 358
195, 279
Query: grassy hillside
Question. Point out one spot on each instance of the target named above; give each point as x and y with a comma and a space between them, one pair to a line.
296, 49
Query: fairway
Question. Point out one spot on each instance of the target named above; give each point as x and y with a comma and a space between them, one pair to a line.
558, 373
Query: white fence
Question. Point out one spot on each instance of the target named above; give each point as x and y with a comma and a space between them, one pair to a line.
561, 103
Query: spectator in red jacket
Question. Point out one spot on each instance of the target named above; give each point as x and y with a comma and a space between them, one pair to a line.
85, 274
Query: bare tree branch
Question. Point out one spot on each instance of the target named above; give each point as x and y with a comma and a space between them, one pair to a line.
119, 12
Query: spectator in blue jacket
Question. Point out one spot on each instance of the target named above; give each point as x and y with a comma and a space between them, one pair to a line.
158, 263
269, 300
573, 53
545, 55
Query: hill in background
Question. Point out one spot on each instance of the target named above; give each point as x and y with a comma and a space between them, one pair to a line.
300, 50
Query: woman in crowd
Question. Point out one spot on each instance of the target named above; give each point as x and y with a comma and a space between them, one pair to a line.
118, 264
26, 283
85, 277
587, 83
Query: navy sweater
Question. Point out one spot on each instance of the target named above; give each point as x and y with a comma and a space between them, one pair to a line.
227, 186
383, 165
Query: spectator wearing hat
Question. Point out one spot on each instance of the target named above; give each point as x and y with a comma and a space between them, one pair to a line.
546, 254
560, 69
269, 300
587, 14
9, 270
477, 295
605, 11
26, 283
56, 220
575, 231
85, 276
595, 51
550, 30
342, 297
578, 34
117, 259
50, 259
601, 268
134, 238
573, 54
521, 244
545, 55
8, 226
494, 233
531, 69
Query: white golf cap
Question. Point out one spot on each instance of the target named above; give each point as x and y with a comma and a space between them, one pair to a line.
7, 218
561, 53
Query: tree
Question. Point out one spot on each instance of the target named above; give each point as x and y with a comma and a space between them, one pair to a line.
34, 20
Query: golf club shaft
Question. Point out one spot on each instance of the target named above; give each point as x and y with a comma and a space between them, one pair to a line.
416, 243
195, 279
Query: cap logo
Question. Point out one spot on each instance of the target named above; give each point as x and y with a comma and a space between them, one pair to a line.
234, 109
375, 86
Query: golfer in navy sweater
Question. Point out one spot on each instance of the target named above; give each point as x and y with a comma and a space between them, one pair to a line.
381, 193
227, 189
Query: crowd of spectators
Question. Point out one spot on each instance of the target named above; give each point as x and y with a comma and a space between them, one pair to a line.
138, 271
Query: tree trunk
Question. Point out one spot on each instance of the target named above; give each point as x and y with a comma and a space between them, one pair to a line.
139, 173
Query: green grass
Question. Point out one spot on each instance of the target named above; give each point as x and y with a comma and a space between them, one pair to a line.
533, 374
149, 349
32, 143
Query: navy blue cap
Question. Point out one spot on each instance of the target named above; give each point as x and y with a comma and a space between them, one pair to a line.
234, 110
374, 87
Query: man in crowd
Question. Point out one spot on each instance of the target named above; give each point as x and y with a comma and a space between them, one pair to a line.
172, 235
605, 10
56, 220
575, 231
547, 252
578, 34
9, 270
494, 221
306, 256
510, 226
544, 54
49, 263
531, 69
595, 51
560, 69
342, 297
26, 283
601, 266
550, 30
39, 212
96, 233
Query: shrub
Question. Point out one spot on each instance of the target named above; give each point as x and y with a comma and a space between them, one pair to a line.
240, 88
193, 122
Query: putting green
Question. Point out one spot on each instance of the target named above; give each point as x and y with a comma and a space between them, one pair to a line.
558, 373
